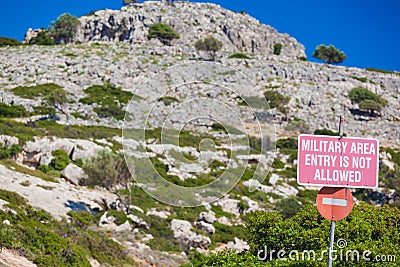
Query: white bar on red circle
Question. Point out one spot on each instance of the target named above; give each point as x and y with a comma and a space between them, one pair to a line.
334, 201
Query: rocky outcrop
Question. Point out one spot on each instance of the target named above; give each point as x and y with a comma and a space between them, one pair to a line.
73, 174
8, 141
107, 222
238, 32
39, 152
182, 232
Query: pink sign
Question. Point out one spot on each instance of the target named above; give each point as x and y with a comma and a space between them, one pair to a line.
339, 162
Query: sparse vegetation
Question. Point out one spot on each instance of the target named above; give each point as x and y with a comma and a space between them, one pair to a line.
31, 92
277, 100
111, 99
383, 71
109, 170
9, 152
5, 41
26, 132
210, 45
57, 99
278, 164
326, 132
361, 79
239, 56
168, 100
12, 111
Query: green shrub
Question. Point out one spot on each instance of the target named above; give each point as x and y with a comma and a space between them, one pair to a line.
5, 41
190, 214
120, 216
257, 146
288, 207
168, 100
224, 233
277, 48
4, 152
9, 152
78, 162
80, 219
79, 115
367, 99
163, 235
18, 168
325, 132
276, 99
210, 45
361, 79
60, 160
11, 197
290, 172
290, 143
42, 38
162, 32
218, 127
7, 111
31, 92
239, 56
306, 194
370, 105
278, 164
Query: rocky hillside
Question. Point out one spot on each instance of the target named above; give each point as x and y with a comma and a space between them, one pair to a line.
237, 119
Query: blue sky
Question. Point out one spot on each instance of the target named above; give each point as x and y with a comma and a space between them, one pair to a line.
367, 31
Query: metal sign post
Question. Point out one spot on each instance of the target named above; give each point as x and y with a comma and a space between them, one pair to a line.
333, 222
332, 238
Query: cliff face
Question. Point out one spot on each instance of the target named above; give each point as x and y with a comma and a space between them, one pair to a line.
193, 21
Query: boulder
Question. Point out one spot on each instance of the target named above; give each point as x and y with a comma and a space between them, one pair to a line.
8, 140
107, 222
208, 217
208, 227
137, 221
224, 220
162, 214
73, 174
182, 232
229, 205
126, 226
